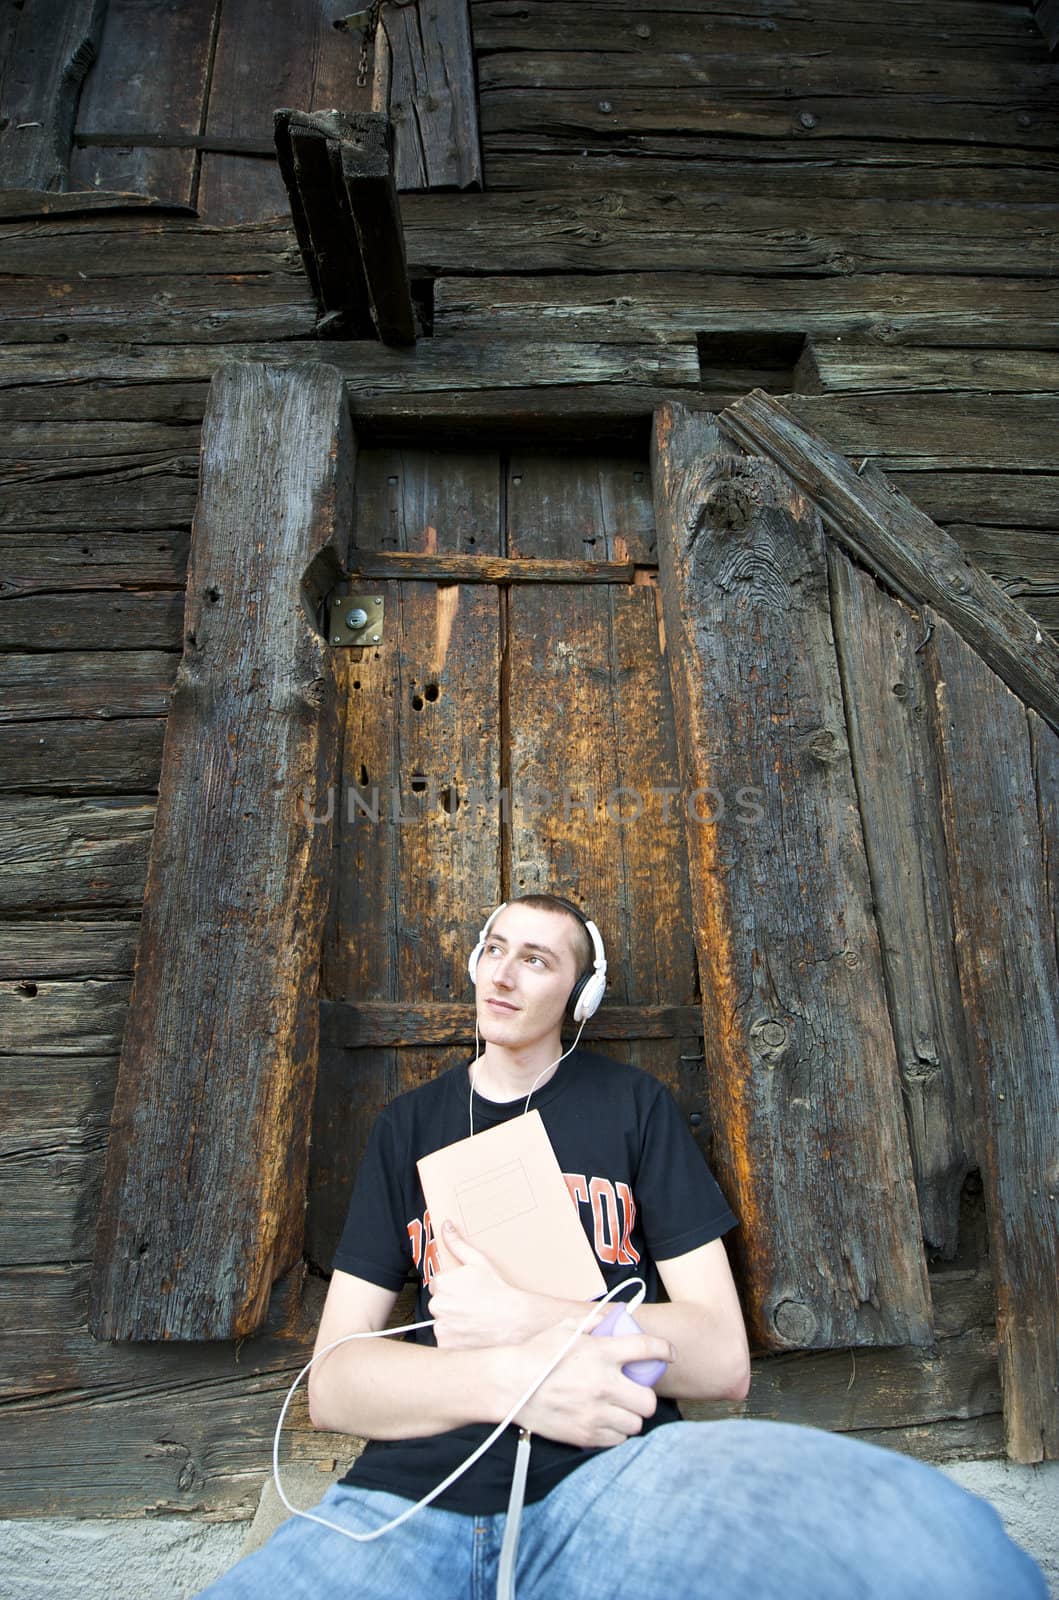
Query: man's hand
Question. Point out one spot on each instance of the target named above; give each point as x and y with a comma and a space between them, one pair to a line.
588, 1401
473, 1306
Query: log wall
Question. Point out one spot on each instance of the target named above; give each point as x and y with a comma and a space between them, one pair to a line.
852, 206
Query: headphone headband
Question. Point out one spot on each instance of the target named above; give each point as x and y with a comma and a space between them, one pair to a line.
587, 993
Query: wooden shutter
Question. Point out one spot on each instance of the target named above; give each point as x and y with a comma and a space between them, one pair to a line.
887, 935
205, 1184
804, 1085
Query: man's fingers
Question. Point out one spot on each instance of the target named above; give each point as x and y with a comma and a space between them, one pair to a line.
461, 1248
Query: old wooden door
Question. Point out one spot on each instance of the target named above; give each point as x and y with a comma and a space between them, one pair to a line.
507, 735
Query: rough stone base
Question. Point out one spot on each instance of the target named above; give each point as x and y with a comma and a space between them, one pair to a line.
172, 1559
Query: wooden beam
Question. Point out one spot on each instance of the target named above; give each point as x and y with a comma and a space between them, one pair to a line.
338, 170
205, 1187
886, 695
998, 769
447, 568
809, 1134
905, 550
424, 80
366, 1024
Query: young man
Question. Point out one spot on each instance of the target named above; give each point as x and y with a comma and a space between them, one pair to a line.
613, 1497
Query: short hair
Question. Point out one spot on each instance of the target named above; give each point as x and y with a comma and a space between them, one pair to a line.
584, 949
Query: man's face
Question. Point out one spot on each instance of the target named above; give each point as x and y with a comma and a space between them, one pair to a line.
524, 976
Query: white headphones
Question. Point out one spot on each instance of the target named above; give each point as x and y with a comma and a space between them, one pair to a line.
587, 993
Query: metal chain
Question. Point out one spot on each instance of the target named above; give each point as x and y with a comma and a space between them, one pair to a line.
367, 40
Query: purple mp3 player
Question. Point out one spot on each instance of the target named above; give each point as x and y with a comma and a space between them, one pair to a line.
619, 1324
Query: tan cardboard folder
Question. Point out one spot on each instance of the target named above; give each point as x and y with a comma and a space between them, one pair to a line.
503, 1189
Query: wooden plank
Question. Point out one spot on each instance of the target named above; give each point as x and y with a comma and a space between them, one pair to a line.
73, 854
894, 308
17, 205
365, 166
660, 25
209, 309
1006, 958
885, 695
367, 1023
322, 220
186, 1430
85, 683
426, 80
1011, 500
595, 505
595, 807
106, 559
93, 757
804, 1089
52, 1301
1045, 759
49, 1017
460, 364
151, 73
61, 947
846, 70
111, 622
54, 1114
50, 46
719, 231
907, 551
338, 172
280, 53
839, 365
1024, 116
674, 161
446, 568
252, 730
109, 246
413, 852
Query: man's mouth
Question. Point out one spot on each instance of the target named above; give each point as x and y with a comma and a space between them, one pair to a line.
503, 1005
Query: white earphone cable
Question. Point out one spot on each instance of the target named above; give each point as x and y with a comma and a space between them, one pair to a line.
381, 1333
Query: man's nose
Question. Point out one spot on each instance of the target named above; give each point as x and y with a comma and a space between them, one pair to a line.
503, 972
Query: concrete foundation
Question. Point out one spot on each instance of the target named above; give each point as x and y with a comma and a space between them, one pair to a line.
173, 1558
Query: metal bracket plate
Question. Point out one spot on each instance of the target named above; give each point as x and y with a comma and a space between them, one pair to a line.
355, 619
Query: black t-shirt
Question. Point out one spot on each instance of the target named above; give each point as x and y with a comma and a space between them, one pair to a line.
643, 1193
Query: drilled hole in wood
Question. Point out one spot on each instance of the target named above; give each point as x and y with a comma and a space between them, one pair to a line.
431, 691
450, 800
27, 988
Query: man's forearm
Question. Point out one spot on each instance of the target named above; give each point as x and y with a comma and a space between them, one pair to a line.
383, 1389
711, 1359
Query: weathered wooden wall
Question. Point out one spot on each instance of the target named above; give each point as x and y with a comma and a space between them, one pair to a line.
852, 205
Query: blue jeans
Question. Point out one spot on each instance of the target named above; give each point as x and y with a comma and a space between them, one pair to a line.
734, 1510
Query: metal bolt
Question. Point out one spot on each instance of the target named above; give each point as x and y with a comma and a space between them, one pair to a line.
375, 638
378, 599
604, 105
356, 619
807, 119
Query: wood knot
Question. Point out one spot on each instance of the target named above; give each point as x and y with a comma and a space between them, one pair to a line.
794, 1322
824, 745
769, 1038
727, 508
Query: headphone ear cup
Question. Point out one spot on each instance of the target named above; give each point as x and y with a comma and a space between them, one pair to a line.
473, 960
588, 994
